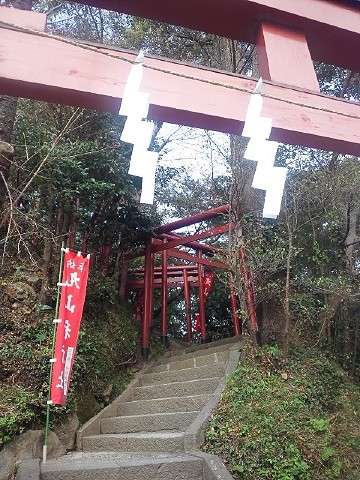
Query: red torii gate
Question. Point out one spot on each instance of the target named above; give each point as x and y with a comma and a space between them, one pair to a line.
288, 34
166, 242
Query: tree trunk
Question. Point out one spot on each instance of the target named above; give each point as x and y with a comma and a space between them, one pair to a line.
356, 344
352, 239
287, 294
73, 227
48, 246
59, 232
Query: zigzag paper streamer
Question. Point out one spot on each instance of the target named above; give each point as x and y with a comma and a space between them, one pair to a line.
135, 105
263, 151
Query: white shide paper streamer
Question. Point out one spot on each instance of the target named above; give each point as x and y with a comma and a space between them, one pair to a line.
135, 105
263, 151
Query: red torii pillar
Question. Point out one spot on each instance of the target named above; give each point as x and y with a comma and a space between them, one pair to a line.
164, 298
148, 297
202, 315
187, 305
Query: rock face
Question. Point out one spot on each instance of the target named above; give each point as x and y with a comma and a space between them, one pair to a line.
20, 292
66, 432
27, 446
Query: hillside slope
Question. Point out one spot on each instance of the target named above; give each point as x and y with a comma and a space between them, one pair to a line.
288, 420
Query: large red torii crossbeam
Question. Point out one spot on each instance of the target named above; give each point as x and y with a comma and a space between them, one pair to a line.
57, 70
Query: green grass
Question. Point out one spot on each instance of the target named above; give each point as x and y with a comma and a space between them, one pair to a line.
294, 419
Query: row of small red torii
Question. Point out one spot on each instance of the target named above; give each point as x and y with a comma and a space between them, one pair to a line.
166, 242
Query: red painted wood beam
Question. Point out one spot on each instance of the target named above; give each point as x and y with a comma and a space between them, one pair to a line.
194, 245
48, 69
159, 274
178, 281
192, 258
170, 268
23, 18
284, 56
212, 232
193, 219
329, 25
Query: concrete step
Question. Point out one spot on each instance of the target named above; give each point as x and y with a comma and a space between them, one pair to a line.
185, 374
182, 361
196, 353
209, 350
149, 422
164, 405
176, 389
165, 441
122, 466
217, 343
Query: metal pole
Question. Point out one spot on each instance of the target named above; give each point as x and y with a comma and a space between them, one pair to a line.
145, 340
187, 305
234, 307
164, 297
201, 299
47, 422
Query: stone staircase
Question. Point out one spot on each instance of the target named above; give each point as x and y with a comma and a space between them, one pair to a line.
153, 430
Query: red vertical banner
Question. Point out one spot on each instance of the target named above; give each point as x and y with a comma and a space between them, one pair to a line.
208, 284
73, 292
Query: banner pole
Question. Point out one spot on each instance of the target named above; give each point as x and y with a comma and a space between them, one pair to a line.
46, 433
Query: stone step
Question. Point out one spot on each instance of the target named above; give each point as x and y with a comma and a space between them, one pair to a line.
176, 389
165, 441
149, 422
182, 375
199, 352
196, 353
122, 466
229, 341
163, 405
182, 362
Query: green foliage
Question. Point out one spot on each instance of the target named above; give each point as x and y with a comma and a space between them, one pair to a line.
281, 420
319, 424
106, 352
16, 411
107, 340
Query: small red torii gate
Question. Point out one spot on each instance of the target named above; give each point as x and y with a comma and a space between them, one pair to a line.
165, 242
